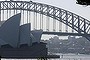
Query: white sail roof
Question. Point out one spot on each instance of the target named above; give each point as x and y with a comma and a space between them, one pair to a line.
25, 34
1, 22
9, 30
13, 34
2, 42
37, 34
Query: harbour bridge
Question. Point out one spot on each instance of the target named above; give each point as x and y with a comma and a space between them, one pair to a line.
52, 20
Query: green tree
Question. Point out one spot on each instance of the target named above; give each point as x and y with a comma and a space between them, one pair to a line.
83, 2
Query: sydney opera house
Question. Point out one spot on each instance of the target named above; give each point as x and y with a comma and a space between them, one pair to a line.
18, 41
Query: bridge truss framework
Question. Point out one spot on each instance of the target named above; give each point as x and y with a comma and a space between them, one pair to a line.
77, 23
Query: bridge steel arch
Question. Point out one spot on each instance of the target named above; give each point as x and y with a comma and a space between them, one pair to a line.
78, 23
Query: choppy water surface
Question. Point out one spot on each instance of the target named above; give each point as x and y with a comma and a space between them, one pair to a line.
64, 57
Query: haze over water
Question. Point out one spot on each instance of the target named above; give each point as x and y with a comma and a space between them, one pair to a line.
64, 57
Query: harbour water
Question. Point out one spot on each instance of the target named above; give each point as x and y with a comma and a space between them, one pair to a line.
73, 57
64, 57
